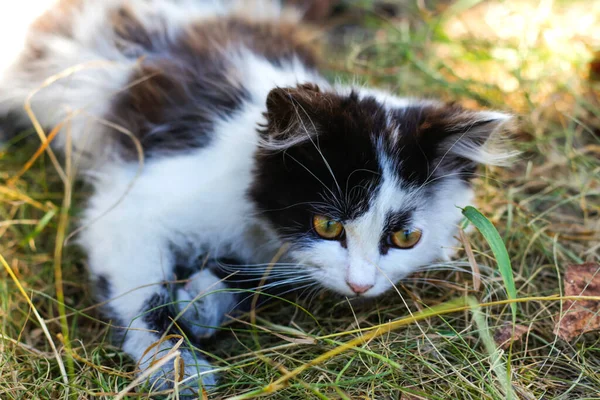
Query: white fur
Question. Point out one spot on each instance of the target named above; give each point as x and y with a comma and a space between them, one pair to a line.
493, 152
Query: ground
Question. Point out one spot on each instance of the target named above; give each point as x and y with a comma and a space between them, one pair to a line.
531, 58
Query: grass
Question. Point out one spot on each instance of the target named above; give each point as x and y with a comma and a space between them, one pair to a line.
528, 57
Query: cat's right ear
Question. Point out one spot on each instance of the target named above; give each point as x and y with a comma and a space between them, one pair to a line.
291, 113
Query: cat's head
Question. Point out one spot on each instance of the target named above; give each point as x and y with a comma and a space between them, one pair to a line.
366, 187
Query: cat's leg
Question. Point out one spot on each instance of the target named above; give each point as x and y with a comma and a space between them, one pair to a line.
210, 295
130, 257
204, 301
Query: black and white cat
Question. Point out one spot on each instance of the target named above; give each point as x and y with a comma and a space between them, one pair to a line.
246, 150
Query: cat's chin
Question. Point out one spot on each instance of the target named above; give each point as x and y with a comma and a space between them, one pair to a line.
374, 292
341, 291
357, 299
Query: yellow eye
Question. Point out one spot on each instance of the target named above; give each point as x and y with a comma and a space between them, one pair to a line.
406, 238
327, 228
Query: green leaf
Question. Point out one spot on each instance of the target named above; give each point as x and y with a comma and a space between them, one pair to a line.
491, 235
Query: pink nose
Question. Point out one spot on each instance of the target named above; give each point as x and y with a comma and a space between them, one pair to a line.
359, 289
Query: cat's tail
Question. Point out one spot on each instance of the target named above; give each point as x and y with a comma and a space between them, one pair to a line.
80, 55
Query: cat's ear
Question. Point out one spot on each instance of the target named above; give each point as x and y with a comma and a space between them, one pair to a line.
465, 138
291, 112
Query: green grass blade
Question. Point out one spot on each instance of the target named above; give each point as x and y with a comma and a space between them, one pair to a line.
498, 365
491, 235
39, 227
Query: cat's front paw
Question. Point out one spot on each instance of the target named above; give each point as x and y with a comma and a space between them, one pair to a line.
185, 374
203, 302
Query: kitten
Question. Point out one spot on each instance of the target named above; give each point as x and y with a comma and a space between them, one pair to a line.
207, 132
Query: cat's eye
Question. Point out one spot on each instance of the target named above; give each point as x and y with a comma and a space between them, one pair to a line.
327, 228
406, 238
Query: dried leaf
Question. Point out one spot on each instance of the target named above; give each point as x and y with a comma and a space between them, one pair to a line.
579, 317
505, 335
179, 369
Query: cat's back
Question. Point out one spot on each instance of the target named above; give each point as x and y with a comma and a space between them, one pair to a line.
156, 75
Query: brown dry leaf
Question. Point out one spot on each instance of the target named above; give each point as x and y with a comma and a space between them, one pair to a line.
579, 317
505, 335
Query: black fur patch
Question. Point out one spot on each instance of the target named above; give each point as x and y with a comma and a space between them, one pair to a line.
426, 133
9, 126
176, 101
335, 173
182, 86
102, 287
157, 313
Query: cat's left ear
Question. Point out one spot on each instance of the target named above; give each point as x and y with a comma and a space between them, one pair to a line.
464, 138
